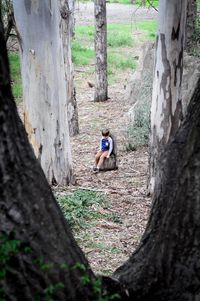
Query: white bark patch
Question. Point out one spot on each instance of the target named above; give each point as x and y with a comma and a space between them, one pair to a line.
44, 87
166, 110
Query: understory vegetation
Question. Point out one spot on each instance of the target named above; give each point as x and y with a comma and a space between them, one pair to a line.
85, 207
15, 76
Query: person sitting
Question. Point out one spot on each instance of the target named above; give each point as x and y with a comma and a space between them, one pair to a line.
105, 150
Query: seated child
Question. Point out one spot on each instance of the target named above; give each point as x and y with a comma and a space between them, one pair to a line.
106, 147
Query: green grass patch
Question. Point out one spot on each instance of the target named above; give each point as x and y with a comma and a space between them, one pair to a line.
149, 27
119, 61
81, 55
148, 3
119, 36
15, 76
80, 208
119, 39
84, 207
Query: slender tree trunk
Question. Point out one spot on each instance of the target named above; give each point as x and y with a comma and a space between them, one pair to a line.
166, 110
67, 14
166, 264
101, 86
44, 86
191, 25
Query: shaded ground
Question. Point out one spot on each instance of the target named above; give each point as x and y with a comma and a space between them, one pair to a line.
109, 243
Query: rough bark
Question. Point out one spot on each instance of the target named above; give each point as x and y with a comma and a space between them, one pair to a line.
48, 255
101, 85
191, 25
166, 109
6, 10
166, 264
67, 14
44, 86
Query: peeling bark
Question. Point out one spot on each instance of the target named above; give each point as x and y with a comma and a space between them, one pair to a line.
44, 86
166, 110
101, 85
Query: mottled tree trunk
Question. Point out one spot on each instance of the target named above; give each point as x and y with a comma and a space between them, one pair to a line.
166, 110
101, 85
191, 25
166, 264
44, 86
67, 13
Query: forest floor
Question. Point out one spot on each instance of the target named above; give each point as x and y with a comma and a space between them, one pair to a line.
108, 243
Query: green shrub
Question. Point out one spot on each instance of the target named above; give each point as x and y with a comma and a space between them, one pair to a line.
80, 208
138, 132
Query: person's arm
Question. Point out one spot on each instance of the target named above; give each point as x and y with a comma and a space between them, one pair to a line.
110, 146
100, 144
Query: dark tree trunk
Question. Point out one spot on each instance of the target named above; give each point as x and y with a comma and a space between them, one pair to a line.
47, 255
101, 86
191, 25
166, 265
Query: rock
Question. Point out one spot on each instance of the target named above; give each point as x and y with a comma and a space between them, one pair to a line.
139, 88
111, 162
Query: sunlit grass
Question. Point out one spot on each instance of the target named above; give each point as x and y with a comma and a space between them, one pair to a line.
15, 76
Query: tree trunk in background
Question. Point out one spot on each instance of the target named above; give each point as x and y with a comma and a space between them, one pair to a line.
101, 85
44, 86
191, 25
166, 264
166, 110
67, 14
6, 10
38, 251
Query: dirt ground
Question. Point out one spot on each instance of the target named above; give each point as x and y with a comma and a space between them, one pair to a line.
116, 13
108, 244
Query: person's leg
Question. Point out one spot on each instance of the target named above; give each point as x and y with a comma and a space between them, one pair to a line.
102, 158
97, 157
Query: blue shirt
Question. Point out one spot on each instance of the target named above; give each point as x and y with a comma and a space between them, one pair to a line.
106, 145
